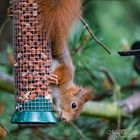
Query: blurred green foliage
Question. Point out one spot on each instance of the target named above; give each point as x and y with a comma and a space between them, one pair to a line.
117, 24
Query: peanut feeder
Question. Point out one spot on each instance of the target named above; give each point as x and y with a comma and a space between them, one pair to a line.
32, 66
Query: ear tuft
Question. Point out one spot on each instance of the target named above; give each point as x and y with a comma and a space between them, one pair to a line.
88, 94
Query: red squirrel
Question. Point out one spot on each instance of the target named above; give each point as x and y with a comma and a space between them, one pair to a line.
69, 97
57, 17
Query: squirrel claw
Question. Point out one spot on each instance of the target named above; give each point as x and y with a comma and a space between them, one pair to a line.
53, 79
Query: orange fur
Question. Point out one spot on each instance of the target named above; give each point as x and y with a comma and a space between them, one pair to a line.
63, 73
74, 94
69, 92
57, 17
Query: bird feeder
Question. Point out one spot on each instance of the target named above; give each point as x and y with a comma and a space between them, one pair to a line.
32, 55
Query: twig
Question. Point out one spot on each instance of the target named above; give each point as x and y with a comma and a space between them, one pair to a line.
130, 88
79, 48
93, 77
86, 2
103, 95
131, 104
79, 131
42, 135
22, 127
93, 36
108, 76
38, 133
3, 25
116, 93
6, 130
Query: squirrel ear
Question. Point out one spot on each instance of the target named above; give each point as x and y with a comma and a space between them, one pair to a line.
88, 94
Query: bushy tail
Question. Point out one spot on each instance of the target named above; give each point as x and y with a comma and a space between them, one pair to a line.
57, 17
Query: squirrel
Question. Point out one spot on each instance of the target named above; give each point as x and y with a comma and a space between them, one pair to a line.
69, 98
56, 18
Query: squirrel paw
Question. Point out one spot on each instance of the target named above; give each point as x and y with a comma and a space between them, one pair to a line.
53, 79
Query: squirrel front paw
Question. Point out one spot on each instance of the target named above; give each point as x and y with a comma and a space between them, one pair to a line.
53, 79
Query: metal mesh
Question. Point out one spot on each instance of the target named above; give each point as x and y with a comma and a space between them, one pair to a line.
32, 56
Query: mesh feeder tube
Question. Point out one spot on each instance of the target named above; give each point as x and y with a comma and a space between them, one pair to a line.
33, 58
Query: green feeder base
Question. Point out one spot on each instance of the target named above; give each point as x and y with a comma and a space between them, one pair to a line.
37, 111
33, 117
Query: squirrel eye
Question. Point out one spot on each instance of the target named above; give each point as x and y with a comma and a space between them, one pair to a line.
73, 105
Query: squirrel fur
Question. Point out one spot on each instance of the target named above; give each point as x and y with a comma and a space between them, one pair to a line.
65, 92
56, 17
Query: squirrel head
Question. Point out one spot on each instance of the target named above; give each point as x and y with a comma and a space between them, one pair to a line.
72, 102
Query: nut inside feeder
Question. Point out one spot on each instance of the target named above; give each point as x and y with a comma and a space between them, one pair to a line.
32, 66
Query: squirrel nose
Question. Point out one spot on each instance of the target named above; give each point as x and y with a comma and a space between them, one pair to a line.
60, 115
66, 119
65, 116
60, 118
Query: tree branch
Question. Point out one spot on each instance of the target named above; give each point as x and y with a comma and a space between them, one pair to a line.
111, 110
102, 109
93, 108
